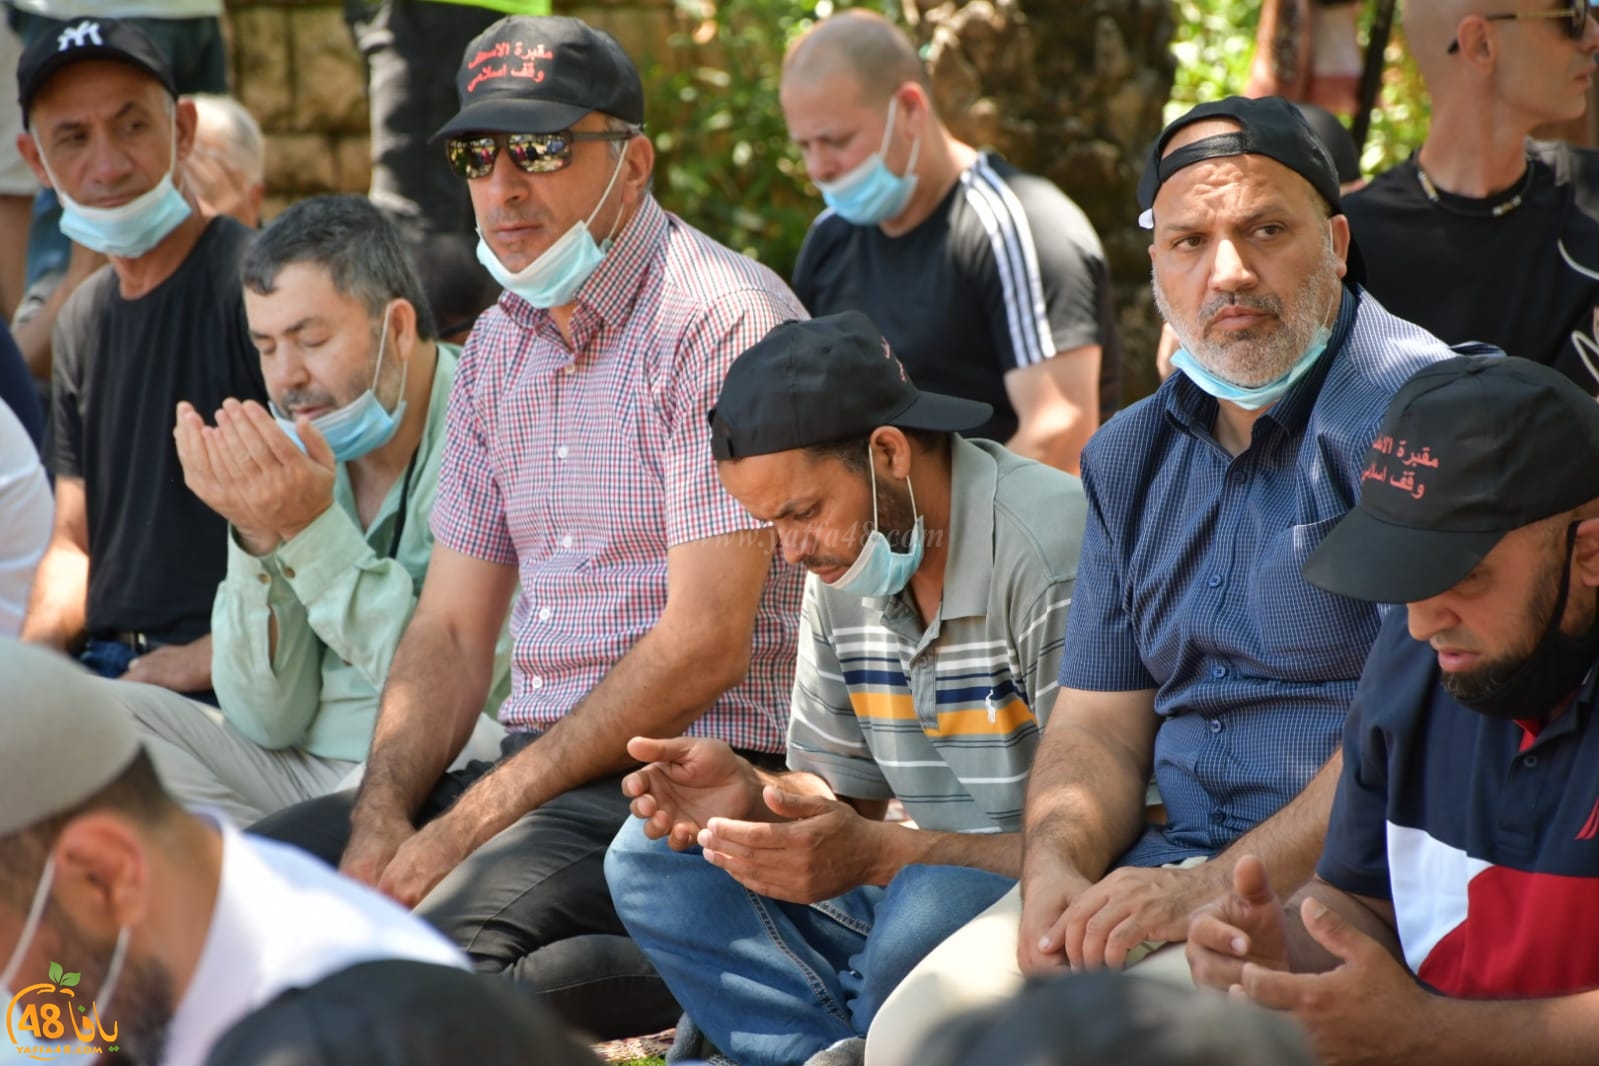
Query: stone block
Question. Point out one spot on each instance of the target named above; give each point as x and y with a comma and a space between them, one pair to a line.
300, 164
262, 74
354, 158
329, 79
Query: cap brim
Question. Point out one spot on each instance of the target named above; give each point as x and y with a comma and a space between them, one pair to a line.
1366, 558
950, 414
509, 115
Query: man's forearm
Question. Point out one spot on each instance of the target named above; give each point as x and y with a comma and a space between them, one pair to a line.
1290, 841
1305, 955
427, 714
998, 853
1558, 1031
57, 605
1085, 801
657, 689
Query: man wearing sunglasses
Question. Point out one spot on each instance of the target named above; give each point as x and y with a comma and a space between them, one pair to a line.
577, 477
1484, 234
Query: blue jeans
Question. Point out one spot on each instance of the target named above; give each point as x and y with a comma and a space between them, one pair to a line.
107, 658
772, 983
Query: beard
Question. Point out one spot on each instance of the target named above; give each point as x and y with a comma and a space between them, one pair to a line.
896, 517
1260, 354
1474, 685
144, 1002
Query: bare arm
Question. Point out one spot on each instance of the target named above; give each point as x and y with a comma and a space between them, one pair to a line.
698, 649
1057, 406
1085, 801
59, 601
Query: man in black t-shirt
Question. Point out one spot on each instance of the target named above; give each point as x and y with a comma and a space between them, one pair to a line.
989, 283
135, 558
1482, 234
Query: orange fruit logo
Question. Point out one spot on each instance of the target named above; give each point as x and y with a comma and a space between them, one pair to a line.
48, 1008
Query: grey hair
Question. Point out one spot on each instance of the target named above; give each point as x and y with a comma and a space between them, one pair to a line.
351, 239
239, 129
618, 125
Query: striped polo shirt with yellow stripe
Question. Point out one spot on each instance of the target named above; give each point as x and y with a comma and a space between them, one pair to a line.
946, 717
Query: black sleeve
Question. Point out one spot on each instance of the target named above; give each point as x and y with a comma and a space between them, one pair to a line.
70, 346
1047, 287
810, 254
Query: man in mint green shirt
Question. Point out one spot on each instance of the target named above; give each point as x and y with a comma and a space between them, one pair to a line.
327, 497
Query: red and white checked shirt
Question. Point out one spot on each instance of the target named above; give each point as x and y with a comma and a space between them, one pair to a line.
581, 466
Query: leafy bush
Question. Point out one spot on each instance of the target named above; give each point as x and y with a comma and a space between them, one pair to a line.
1213, 45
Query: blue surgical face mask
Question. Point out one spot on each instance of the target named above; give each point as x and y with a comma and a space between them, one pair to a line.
871, 193
554, 277
128, 230
879, 570
1252, 399
361, 426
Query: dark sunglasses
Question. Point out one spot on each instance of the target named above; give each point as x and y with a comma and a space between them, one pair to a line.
536, 153
1575, 13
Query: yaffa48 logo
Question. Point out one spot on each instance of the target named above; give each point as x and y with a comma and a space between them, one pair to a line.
42, 1032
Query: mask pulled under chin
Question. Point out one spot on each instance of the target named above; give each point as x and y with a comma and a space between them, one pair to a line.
552, 280
1257, 397
871, 193
361, 426
1554, 670
127, 230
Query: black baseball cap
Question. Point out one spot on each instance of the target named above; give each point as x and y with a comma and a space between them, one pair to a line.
1470, 448
1335, 137
540, 74
823, 380
89, 38
1268, 126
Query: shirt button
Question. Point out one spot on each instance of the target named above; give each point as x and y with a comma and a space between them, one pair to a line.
1217, 817
288, 572
1239, 477
566, 541
535, 683
1215, 580
1215, 725
1530, 761
568, 369
1218, 672
560, 453
265, 579
544, 614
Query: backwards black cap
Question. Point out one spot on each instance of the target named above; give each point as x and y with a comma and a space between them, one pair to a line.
1470, 449
824, 380
1269, 126
540, 74
89, 38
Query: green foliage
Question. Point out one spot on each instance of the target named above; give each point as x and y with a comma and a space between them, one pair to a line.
723, 157
1214, 43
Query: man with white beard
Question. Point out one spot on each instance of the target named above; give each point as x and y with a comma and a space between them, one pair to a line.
1196, 652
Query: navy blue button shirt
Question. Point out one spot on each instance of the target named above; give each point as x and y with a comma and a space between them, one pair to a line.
1189, 580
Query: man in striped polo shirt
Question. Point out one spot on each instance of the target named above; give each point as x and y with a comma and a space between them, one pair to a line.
941, 570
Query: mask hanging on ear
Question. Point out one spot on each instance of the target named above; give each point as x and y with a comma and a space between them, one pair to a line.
879, 570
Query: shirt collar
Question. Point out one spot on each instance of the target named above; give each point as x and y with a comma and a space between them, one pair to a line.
1195, 410
969, 566
609, 292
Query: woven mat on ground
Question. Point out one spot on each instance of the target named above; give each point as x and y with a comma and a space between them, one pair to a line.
637, 1047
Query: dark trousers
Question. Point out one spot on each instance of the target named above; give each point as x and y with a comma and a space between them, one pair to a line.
413, 50
531, 904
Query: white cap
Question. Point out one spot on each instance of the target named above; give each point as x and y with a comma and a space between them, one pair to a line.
66, 738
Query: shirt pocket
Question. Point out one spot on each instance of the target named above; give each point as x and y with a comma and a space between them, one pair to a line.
1306, 633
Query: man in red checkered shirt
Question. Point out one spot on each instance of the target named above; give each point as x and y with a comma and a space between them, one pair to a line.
577, 473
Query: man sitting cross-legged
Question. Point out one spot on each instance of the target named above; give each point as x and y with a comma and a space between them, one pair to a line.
924, 673
328, 542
